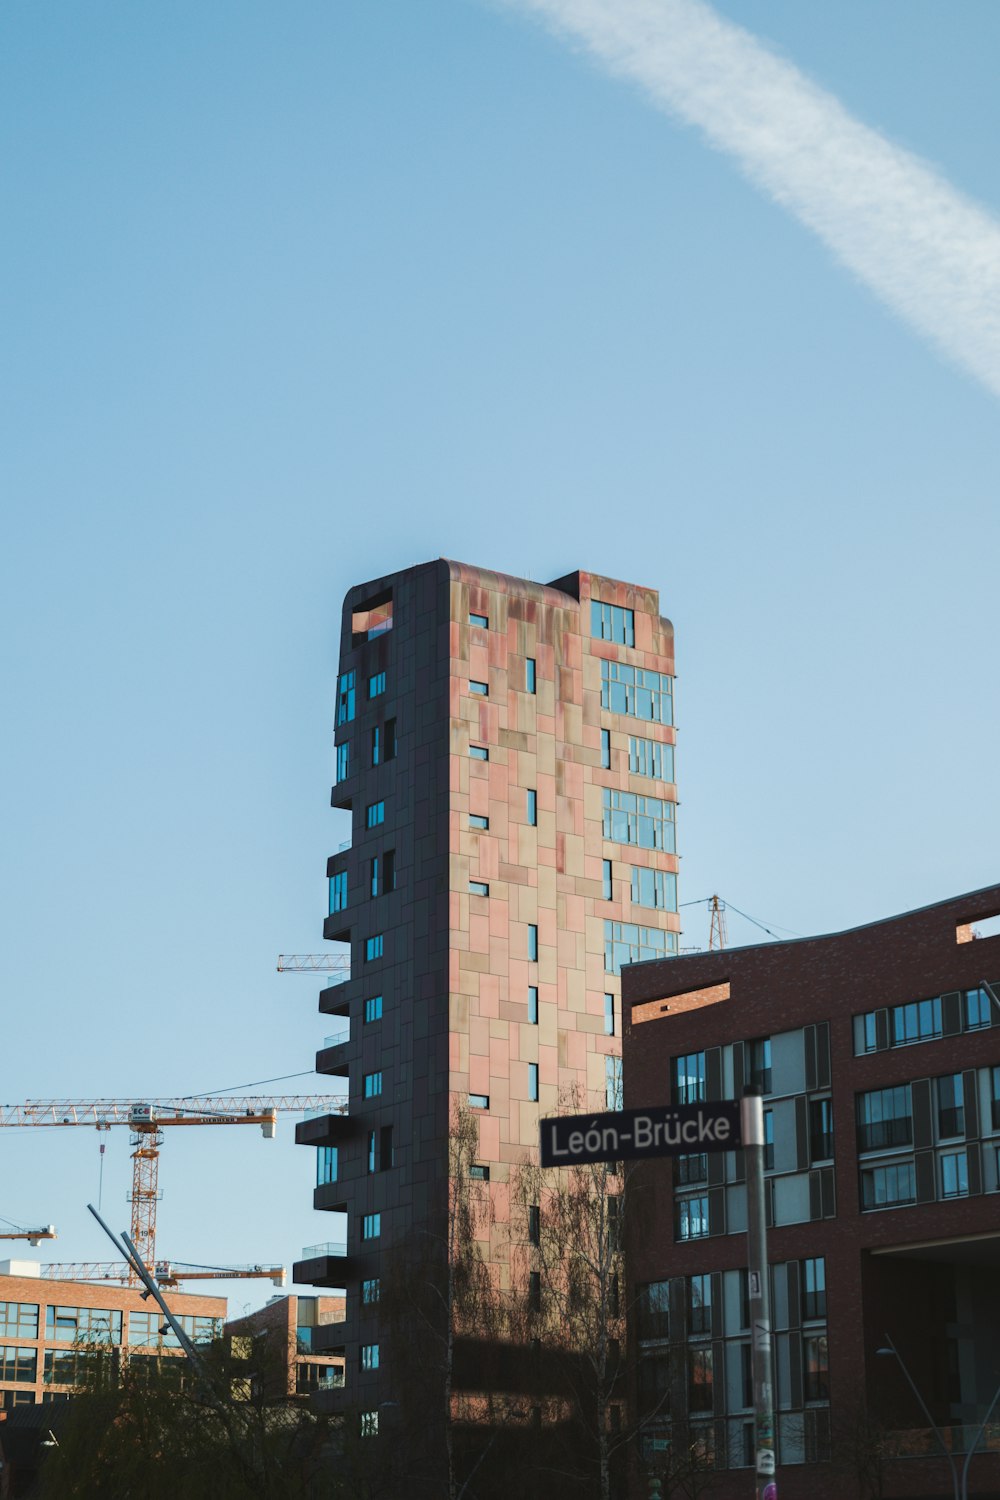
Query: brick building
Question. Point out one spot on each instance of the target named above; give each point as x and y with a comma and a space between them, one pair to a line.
506, 751
50, 1329
289, 1326
878, 1051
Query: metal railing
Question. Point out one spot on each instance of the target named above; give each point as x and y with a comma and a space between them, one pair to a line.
328, 1247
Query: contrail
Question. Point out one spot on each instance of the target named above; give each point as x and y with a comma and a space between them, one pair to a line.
930, 253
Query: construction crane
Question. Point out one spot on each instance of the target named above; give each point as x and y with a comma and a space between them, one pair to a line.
147, 1120
314, 963
31, 1235
717, 928
167, 1273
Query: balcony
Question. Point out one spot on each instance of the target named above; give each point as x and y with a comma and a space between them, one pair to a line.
326, 1264
324, 1128
331, 1059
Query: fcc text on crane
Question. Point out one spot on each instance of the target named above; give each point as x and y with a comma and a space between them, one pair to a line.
628, 1134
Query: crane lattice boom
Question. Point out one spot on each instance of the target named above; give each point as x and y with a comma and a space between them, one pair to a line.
313, 963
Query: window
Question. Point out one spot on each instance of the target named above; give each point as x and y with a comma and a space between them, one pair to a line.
144, 1330
369, 1356
376, 685
689, 1078
372, 1151
815, 1369
375, 814
372, 619
479, 752
376, 744
607, 887
887, 1187
388, 871
483, 621
72, 1325
533, 1004
479, 1172
769, 1140
606, 749
820, 1130
478, 888
343, 761
533, 1082
646, 822
372, 1085
653, 1310
656, 888
326, 1165
532, 808
954, 1175
369, 1424
345, 697
690, 1170
386, 1149
625, 943
371, 1226
481, 689
371, 1291
651, 758
700, 1380
534, 1224
613, 1082
951, 1106
609, 1015
917, 1021
534, 1291
532, 943
884, 1119
476, 820
19, 1366
479, 1101
374, 947
995, 1097
634, 691
530, 675
692, 1217
610, 623
699, 1302
373, 1009
19, 1320
338, 892
813, 1284
373, 882
977, 1009
759, 1063
390, 740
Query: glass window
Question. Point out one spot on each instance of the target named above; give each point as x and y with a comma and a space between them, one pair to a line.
19, 1320
375, 814
995, 1097
917, 1021
625, 943
480, 689
374, 947
373, 1008
651, 758
699, 1302
479, 1172
634, 691
954, 1175
690, 1170
534, 1291
372, 1085
343, 761
867, 1041
606, 749
813, 1284
533, 1081
376, 685
532, 942
613, 1083
530, 675
478, 888
18, 1366
646, 822
338, 892
533, 1004
887, 1187
90, 1324
479, 752
481, 620
689, 1078
657, 888
815, 1369
609, 1015
692, 1217
346, 703
977, 1009
476, 820
479, 1101
371, 1290
388, 871
326, 1165
759, 1063
699, 1380
532, 807
769, 1140
884, 1119
534, 1224
372, 1151
653, 1310
610, 623
371, 1226
820, 1129
376, 744
369, 1356
951, 1105
606, 889
369, 1424
390, 740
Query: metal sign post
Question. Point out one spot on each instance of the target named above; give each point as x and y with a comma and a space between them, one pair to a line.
761, 1358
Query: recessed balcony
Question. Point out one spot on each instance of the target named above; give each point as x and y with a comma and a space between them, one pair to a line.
326, 1264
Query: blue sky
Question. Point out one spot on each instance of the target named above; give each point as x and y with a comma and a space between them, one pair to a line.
295, 295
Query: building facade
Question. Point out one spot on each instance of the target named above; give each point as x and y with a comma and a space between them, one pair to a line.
292, 1369
878, 1053
506, 752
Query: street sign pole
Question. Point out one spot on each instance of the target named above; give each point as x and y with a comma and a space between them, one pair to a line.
761, 1357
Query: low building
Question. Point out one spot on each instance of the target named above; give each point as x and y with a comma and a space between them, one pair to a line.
878, 1053
288, 1325
50, 1330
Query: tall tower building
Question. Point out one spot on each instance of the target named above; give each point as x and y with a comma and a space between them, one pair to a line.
506, 752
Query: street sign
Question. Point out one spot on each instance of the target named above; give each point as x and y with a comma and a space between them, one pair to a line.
628, 1134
